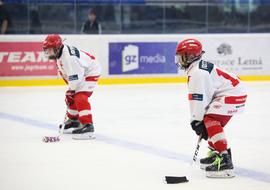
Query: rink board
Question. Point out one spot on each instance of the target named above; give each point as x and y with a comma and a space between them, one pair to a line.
133, 59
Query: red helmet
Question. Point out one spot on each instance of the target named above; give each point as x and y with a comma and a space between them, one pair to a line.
52, 46
188, 51
189, 46
52, 41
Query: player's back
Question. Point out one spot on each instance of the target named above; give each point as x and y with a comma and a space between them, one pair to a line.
217, 80
83, 59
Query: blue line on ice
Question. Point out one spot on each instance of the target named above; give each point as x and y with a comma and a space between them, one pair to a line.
255, 175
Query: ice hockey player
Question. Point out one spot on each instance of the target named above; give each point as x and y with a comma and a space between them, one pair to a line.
81, 71
214, 97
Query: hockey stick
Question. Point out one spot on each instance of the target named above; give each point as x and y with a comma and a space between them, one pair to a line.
183, 179
49, 139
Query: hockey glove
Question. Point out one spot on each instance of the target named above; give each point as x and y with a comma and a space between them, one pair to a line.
70, 97
199, 128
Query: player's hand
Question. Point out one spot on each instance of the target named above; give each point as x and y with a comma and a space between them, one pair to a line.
199, 128
70, 97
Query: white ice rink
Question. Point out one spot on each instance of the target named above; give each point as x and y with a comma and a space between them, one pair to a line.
142, 134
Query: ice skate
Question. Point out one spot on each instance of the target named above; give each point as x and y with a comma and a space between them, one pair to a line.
70, 125
222, 167
207, 161
84, 133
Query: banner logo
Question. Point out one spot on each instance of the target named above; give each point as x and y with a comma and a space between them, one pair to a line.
224, 49
142, 58
130, 58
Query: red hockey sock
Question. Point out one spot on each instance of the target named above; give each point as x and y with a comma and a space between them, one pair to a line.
83, 107
215, 133
72, 112
211, 144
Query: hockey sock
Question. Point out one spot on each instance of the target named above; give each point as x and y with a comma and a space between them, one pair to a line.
83, 107
72, 112
211, 145
215, 133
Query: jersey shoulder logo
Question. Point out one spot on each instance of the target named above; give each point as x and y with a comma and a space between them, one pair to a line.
73, 51
204, 65
73, 77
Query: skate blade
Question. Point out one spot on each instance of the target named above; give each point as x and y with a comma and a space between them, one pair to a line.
85, 136
220, 174
68, 131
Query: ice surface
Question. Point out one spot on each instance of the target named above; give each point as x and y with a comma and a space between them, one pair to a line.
142, 134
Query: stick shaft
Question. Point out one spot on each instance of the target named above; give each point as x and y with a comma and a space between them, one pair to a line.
194, 157
61, 131
197, 150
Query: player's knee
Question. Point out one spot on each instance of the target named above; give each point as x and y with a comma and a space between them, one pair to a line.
81, 98
212, 125
210, 121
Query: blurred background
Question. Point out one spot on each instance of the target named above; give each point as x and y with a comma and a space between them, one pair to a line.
135, 16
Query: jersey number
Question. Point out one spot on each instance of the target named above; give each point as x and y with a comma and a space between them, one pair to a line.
234, 81
89, 55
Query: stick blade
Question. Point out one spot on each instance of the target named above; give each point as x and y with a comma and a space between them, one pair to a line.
49, 139
175, 180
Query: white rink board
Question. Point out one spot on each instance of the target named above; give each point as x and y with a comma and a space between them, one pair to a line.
243, 54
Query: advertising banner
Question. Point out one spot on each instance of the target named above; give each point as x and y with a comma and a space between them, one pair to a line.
137, 56
240, 55
142, 58
24, 59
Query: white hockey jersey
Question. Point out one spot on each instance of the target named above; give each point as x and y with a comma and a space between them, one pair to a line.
78, 68
213, 91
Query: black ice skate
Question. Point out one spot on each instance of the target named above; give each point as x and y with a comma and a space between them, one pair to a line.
70, 125
207, 161
84, 133
222, 167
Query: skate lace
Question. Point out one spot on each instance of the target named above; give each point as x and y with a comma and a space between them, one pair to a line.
217, 162
210, 153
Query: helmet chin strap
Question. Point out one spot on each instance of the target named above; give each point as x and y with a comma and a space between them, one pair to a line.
60, 51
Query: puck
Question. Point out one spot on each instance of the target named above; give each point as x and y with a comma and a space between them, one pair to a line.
175, 180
